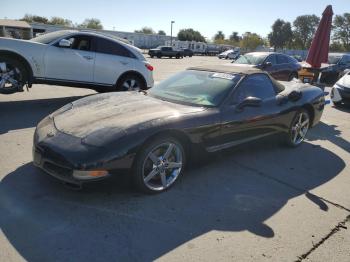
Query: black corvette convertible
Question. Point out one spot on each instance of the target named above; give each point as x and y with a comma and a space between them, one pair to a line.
152, 133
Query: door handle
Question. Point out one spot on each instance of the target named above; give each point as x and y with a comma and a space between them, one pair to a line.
87, 57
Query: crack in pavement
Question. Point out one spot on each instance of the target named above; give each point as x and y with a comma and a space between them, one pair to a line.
337, 228
263, 174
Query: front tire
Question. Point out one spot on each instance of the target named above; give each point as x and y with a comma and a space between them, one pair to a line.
298, 128
13, 75
159, 164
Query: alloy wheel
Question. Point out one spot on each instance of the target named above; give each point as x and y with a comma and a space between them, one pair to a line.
299, 128
162, 166
131, 85
10, 77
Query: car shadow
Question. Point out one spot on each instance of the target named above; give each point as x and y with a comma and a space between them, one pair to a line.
331, 133
27, 113
109, 221
344, 108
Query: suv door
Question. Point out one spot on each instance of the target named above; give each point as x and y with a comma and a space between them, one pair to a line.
112, 60
74, 63
241, 124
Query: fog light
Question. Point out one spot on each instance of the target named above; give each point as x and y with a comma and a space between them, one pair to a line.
93, 174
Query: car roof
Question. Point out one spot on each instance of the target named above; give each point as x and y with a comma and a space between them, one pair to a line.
243, 70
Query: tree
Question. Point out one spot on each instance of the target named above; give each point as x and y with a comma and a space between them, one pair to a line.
219, 36
35, 18
281, 34
234, 37
304, 28
146, 30
341, 27
251, 41
190, 35
60, 21
92, 23
161, 32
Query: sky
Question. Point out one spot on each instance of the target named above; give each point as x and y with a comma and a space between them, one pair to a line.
205, 16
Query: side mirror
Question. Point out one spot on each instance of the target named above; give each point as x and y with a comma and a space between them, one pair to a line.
266, 64
250, 101
64, 43
294, 95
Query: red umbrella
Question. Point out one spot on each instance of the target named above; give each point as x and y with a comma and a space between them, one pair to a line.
318, 52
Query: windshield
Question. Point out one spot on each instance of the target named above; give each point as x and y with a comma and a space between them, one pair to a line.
50, 37
333, 59
196, 87
251, 59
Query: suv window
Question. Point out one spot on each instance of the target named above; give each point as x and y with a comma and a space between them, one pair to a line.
79, 42
106, 46
271, 59
282, 59
166, 48
257, 85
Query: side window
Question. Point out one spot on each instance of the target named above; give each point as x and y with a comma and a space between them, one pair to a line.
282, 59
106, 46
345, 60
271, 59
257, 85
79, 42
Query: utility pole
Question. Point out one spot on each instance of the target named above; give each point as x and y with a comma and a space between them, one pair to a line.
171, 33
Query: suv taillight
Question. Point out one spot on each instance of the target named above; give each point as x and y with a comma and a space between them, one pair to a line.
149, 67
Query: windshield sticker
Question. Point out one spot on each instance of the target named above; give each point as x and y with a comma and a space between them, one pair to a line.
223, 76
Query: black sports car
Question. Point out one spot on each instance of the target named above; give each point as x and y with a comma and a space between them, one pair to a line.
152, 133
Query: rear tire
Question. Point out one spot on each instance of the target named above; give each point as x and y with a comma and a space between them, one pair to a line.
131, 82
13, 75
177, 56
158, 165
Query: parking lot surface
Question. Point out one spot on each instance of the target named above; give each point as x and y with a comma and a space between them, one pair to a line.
260, 202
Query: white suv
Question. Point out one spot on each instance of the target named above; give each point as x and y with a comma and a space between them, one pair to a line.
73, 58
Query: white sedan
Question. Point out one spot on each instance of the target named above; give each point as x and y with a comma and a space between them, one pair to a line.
73, 58
340, 92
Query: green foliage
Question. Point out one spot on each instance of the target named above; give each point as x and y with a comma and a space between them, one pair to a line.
341, 27
190, 35
60, 21
146, 30
161, 32
305, 27
91, 23
35, 18
219, 37
234, 37
281, 35
250, 41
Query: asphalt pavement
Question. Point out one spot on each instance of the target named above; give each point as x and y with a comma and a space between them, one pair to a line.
258, 202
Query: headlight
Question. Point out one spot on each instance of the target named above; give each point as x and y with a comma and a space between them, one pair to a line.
86, 175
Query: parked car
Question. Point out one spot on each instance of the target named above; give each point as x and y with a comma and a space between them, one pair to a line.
340, 92
73, 58
154, 132
337, 63
280, 66
230, 54
167, 51
187, 52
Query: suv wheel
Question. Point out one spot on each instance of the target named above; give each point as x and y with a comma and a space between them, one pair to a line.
13, 76
131, 82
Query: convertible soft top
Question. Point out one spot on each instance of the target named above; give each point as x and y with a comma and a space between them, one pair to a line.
245, 70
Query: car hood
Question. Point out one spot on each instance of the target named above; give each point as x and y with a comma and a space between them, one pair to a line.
243, 65
117, 113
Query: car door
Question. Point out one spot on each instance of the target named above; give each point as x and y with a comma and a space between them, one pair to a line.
74, 63
273, 68
284, 70
241, 123
112, 60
